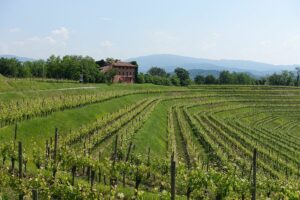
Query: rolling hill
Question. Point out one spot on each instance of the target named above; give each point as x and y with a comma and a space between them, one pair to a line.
169, 62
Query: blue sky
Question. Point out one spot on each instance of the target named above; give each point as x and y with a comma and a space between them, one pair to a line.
259, 30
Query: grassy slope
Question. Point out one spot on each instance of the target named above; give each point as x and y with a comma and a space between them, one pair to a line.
25, 88
40, 129
14, 85
153, 134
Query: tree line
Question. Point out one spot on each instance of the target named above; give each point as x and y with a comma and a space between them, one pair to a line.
69, 67
285, 78
86, 69
181, 77
159, 76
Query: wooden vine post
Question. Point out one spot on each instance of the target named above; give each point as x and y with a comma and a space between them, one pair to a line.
16, 130
21, 195
55, 151
20, 160
92, 178
51, 147
148, 162
73, 174
99, 170
128, 152
113, 179
35, 194
173, 174
115, 151
126, 159
254, 175
47, 149
138, 179
55, 144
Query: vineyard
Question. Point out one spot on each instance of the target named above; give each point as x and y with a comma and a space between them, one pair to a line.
150, 142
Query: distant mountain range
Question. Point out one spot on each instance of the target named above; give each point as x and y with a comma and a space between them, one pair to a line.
169, 62
21, 59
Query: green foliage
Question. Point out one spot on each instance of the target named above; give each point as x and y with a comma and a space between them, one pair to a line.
156, 71
199, 79
285, 78
183, 76
10, 67
210, 79
37, 68
109, 75
175, 80
226, 77
68, 67
101, 63
140, 78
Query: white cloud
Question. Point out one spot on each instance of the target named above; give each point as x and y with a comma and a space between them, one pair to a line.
55, 42
106, 44
61, 32
15, 30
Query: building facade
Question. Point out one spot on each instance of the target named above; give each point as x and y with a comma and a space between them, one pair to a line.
126, 72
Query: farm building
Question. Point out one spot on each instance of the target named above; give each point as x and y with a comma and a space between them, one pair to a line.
126, 72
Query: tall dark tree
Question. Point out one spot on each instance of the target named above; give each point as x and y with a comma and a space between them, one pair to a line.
183, 76
284, 78
36, 67
156, 71
225, 77
136, 70
210, 79
10, 67
101, 63
298, 76
199, 79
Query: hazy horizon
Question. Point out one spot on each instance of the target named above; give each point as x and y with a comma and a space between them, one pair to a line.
264, 31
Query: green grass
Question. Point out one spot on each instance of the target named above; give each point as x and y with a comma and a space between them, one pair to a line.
15, 89
153, 134
39, 129
30, 85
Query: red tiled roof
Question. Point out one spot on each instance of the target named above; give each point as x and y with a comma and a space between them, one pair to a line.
122, 64
116, 64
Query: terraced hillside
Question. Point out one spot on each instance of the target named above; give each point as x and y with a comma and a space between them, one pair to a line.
116, 142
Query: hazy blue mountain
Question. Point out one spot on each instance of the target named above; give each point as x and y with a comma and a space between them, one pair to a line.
170, 62
21, 59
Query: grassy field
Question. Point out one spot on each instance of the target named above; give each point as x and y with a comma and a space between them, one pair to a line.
207, 127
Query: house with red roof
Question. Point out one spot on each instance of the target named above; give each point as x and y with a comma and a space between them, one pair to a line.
126, 72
